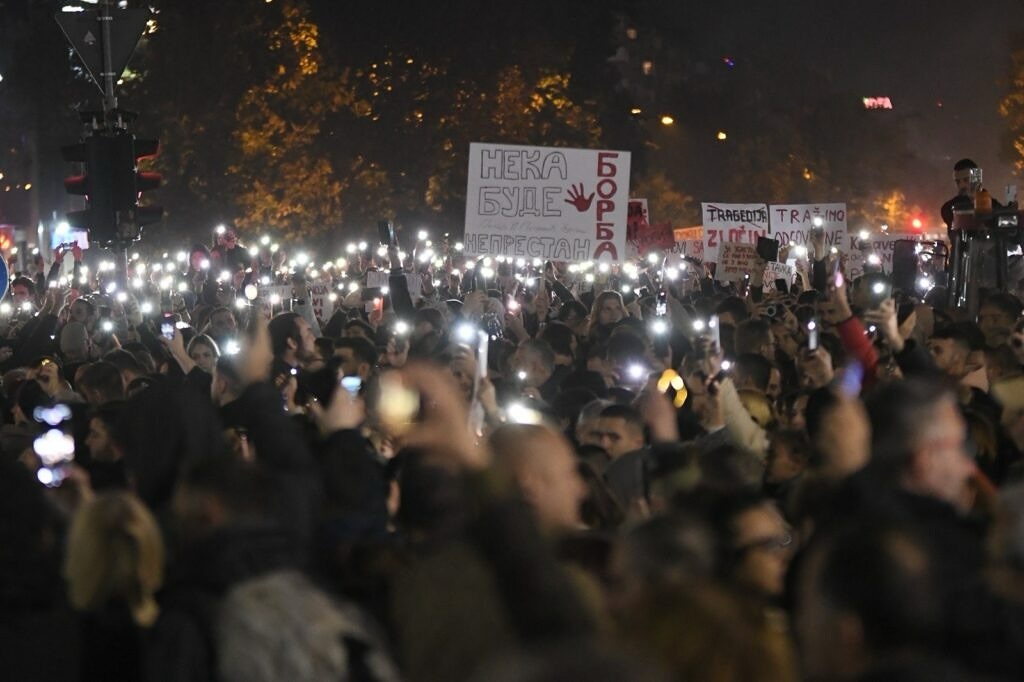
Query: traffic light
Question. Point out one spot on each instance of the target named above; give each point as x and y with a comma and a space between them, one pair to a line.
112, 184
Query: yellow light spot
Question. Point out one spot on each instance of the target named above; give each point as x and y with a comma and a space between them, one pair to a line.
721, 135
667, 120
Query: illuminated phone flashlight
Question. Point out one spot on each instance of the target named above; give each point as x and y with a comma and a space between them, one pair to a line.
817, 221
653, 258
589, 278
521, 375
274, 248
925, 284
204, 264
699, 325
874, 259
401, 327
671, 274
26, 306
626, 289
254, 251
182, 287
573, 269
878, 287
274, 299
158, 267
726, 365
122, 297
872, 329
636, 372
385, 290
518, 413
108, 326
232, 347
136, 283
5, 308
470, 265
146, 308
513, 305
459, 246
382, 250
465, 333
181, 256
537, 262
864, 235
241, 303
422, 235
332, 297
604, 268
833, 250
220, 229
455, 273
111, 288
800, 251
488, 273
659, 327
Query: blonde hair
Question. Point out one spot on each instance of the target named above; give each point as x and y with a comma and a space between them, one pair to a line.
115, 552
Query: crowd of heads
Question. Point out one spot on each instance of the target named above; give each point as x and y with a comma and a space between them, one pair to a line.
430, 466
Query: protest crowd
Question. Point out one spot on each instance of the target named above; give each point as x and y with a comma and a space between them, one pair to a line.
252, 463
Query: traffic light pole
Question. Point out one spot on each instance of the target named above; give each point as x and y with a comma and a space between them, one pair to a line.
109, 77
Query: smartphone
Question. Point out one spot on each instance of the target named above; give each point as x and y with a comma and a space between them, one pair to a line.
713, 333
397, 405
812, 334
879, 288
352, 385
386, 233
54, 448
661, 308
167, 326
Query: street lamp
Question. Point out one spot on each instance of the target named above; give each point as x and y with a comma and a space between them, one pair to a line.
667, 120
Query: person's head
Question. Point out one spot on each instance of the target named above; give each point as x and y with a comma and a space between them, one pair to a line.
608, 309
962, 176
100, 439
587, 429
100, 383
562, 341
620, 429
198, 256
950, 347
867, 592
755, 543
543, 466
222, 323
354, 328
291, 338
732, 311
22, 290
127, 364
839, 431
998, 314
75, 344
427, 321
357, 355
755, 336
204, 352
919, 440
533, 362
227, 383
788, 455
574, 315
115, 555
80, 311
752, 370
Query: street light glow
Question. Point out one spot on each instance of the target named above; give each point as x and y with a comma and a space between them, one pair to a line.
667, 120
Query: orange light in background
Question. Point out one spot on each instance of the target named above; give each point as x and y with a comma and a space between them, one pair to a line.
916, 223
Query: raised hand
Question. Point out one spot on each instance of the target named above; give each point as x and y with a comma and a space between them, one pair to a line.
577, 199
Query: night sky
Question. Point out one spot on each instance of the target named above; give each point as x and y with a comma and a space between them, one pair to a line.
916, 52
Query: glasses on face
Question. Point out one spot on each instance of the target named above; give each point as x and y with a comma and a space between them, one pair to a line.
775, 543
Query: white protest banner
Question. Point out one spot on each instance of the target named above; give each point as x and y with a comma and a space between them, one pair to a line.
691, 248
544, 202
792, 223
737, 223
735, 261
774, 271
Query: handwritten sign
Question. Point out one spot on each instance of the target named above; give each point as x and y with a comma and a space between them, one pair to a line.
732, 223
774, 271
546, 202
859, 251
323, 306
791, 224
735, 261
691, 248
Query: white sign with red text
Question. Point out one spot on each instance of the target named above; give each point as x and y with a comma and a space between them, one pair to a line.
735, 223
546, 202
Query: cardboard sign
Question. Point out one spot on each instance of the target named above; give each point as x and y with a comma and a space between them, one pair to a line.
637, 220
323, 307
737, 260
774, 271
881, 245
732, 223
791, 224
546, 202
691, 248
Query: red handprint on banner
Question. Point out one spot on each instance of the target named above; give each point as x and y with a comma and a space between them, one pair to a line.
577, 199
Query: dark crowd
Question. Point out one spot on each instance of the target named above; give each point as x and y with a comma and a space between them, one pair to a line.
502, 470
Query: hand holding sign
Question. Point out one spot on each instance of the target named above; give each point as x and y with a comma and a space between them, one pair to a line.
577, 199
